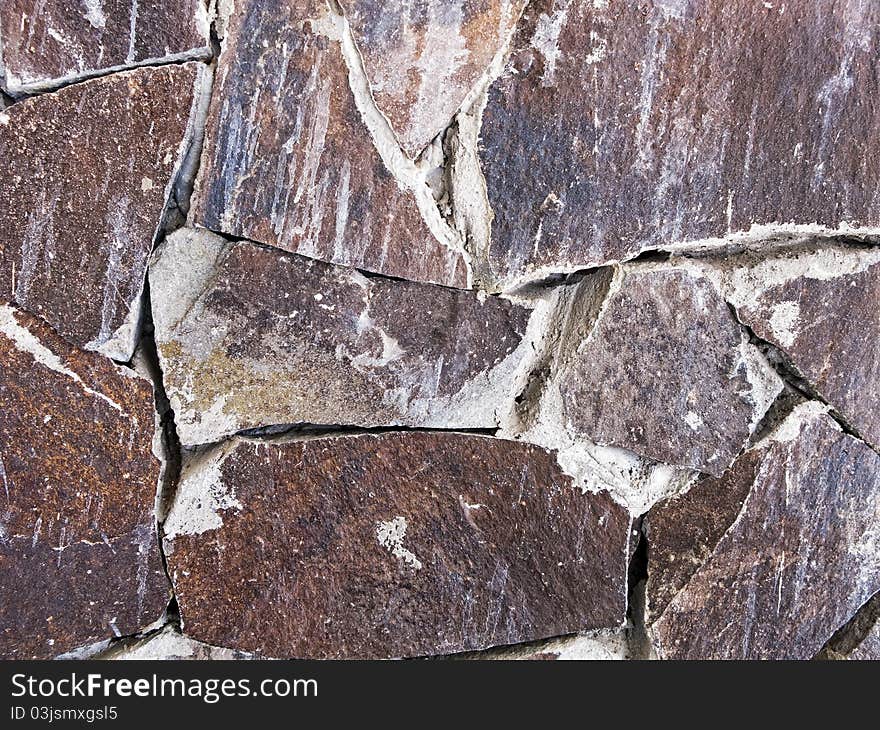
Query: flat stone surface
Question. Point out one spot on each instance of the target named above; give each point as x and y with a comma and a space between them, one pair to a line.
49, 42
399, 544
289, 160
663, 371
820, 306
87, 174
778, 576
79, 558
619, 126
423, 58
249, 336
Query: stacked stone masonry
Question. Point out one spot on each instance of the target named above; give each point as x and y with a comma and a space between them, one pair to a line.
520, 329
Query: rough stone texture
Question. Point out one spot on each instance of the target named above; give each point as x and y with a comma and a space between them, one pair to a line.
79, 556
88, 173
819, 305
289, 160
869, 648
423, 58
250, 337
793, 563
50, 42
391, 545
659, 366
623, 125
169, 645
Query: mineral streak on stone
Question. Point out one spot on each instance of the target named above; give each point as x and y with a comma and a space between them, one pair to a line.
390, 545
250, 336
785, 554
89, 171
820, 307
289, 159
47, 43
79, 556
659, 367
619, 126
423, 58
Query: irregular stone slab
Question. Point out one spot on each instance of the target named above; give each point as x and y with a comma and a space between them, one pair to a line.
53, 42
620, 126
820, 307
422, 59
289, 158
89, 171
79, 555
652, 361
169, 645
390, 545
778, 576
250, 337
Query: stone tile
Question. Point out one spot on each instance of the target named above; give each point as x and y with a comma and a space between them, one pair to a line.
652, 361
88, 172
619, 126
250, 336
290, 158
389, 545
784, 554
422, 59
79, 481
819, 305
50, 42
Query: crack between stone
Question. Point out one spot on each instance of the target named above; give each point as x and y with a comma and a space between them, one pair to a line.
204, 55
408, 173
848, 637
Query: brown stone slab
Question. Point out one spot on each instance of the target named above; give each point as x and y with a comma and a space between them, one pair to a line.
47, 43
660, 367
79, 554
398, 544
623, 125
794, 562
289, 160
88, 173
422, 59
249, 336
818, 305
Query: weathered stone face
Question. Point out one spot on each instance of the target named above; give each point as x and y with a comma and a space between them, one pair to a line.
659, 366
250, 337
87, 178
619, 126
169, 645
423, 58
51, 42
79, 559
391, 545
289, 159
785, 547
818, 305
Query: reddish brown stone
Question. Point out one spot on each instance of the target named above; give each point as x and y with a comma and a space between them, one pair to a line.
820, 306
659, 366
289, 160
88, 173
50, 42
79, 556
785, 552
422, 59
390, 545
623, 125
250, 336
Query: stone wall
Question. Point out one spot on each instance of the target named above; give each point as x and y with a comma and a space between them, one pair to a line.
503, 329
